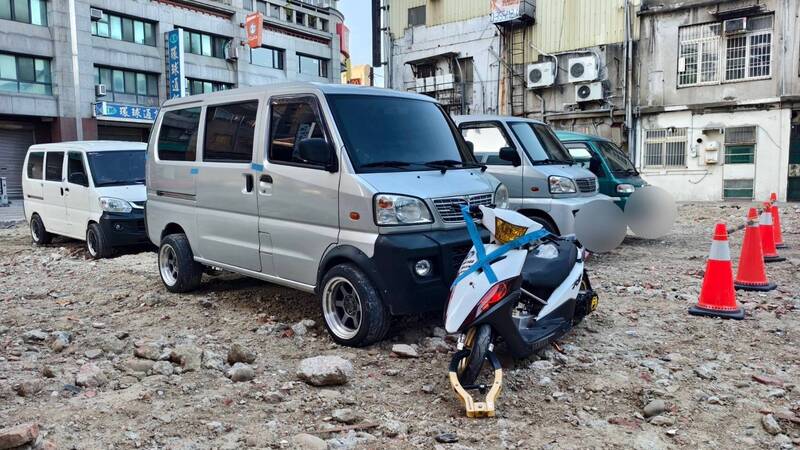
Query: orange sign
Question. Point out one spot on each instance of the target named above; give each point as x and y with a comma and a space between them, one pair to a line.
254, 27
344, 38
354, 81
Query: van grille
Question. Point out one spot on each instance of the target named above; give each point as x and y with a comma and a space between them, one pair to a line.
586, 184
449, 208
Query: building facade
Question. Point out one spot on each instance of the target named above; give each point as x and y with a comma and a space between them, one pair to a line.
718, 98
103, 74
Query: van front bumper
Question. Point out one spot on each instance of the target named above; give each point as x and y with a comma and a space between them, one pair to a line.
124, 229
405, 292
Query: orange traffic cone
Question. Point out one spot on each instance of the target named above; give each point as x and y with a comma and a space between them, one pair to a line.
767, 237
776, 222
752, 274
717, 297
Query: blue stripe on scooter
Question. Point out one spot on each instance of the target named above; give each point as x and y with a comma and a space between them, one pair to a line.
484, 261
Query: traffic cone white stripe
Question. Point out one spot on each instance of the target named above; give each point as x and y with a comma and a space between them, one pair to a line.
720, 251
765, 219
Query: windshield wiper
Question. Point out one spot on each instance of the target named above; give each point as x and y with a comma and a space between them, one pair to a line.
393, 164
444, 164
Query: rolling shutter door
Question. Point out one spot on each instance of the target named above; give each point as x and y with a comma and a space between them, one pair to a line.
13, 146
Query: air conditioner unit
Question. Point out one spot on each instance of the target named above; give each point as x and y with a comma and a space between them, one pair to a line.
420, 83
100, 90
583, 69
231, 52
541, 75
444, 81
96, 14
430, 84
735, 26
587, 92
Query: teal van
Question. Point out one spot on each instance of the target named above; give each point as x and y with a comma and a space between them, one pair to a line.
616, 175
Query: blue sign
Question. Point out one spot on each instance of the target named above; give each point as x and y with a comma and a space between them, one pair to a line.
177, 87
121, 111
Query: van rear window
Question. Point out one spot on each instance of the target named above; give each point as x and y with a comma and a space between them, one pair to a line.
35, 166
177, 140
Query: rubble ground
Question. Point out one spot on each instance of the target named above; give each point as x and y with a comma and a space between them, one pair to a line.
99, 355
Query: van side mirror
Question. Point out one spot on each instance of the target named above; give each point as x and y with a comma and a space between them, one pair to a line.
510, 155
319, 152
79, 179
471, 147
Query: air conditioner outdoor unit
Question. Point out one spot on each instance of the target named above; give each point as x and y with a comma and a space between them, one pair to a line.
541, 75
588, 92
583, 69
96, 14
420, 83
100, 90
231, 52
736, 26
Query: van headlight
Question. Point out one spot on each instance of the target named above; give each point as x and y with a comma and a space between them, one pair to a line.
625, 188
501, 196
562, 185
114, 205
401, 210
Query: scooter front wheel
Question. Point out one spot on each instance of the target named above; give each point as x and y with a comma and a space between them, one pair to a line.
477, 342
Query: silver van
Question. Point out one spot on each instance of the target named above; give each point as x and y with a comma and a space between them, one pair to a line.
349, 192
543, 181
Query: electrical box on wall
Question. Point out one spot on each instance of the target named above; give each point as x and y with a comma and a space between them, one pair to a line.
711, 152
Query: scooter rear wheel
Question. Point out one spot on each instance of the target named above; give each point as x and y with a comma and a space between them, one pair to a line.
470, 367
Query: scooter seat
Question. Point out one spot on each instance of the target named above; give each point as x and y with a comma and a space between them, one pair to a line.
541, 276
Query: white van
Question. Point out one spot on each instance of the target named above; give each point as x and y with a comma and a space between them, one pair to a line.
350, 192
87, 190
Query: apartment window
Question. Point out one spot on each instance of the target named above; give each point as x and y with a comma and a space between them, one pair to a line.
124, 29
267, 57
196, 86
25, 74
708, 56
324, 25
275, 11
289, 14
27, 11
229, 132
737, 189
261, 7
665, 148
300, 18
416, 16
177, 139
127, 86
204, 44
311, 65
247, 5
740, 145
312, 22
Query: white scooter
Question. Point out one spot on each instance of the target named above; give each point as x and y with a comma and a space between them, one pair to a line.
525, 288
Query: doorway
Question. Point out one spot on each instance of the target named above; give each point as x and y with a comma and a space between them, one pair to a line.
793, 184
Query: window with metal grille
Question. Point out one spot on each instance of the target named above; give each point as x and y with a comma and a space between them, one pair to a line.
665, 147
699, 54
749, 55
742, 189
416, 16
740, 145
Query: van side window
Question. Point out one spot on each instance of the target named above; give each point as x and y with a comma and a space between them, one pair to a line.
487, 140
35, 166
229, 132
76, 171
584, 158
293, 120
177, 140
54, 166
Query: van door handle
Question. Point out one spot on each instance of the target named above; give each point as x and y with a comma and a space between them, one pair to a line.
266, 179
248, 182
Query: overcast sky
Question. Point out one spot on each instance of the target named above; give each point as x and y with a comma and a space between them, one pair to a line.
358, 17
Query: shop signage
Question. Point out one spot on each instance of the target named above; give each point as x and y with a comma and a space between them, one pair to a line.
344, 39
177, 87
123, 112
254, 27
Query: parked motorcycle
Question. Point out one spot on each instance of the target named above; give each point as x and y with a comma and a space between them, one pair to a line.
525, 289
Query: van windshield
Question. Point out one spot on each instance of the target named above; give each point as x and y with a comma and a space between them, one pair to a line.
616, 159
388, 134
541, 143
117, 168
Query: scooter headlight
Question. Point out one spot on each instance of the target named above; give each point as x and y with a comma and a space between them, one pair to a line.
505, 232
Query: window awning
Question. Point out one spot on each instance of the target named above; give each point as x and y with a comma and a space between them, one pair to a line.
432, 58
738, 11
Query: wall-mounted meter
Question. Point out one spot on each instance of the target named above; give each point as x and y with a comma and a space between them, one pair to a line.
711, 152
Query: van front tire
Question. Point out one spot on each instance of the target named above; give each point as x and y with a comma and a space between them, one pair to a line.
96, 243
39, 234
176, 265
352, 308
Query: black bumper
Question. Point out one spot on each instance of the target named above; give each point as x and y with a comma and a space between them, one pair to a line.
405, 292
124, 229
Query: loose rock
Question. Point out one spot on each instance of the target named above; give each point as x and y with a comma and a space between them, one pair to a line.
240, 372
162, 368
34, 336
405, 351
325, 370
187, 356
345, 415
309, 442
240, 354
18, 435
771, 425
654, 408
90, 375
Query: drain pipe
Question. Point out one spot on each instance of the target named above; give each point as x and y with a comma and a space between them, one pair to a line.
629, 82
73, 35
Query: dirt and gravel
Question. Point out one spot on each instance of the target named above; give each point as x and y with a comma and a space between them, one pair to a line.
99, 355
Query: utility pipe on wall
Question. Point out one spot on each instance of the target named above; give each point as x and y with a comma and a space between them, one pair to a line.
73, 36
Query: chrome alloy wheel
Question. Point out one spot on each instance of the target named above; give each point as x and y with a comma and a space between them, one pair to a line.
341, 306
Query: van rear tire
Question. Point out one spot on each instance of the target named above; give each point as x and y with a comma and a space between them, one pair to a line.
39, 234
96, 243
352, 308
176, 265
